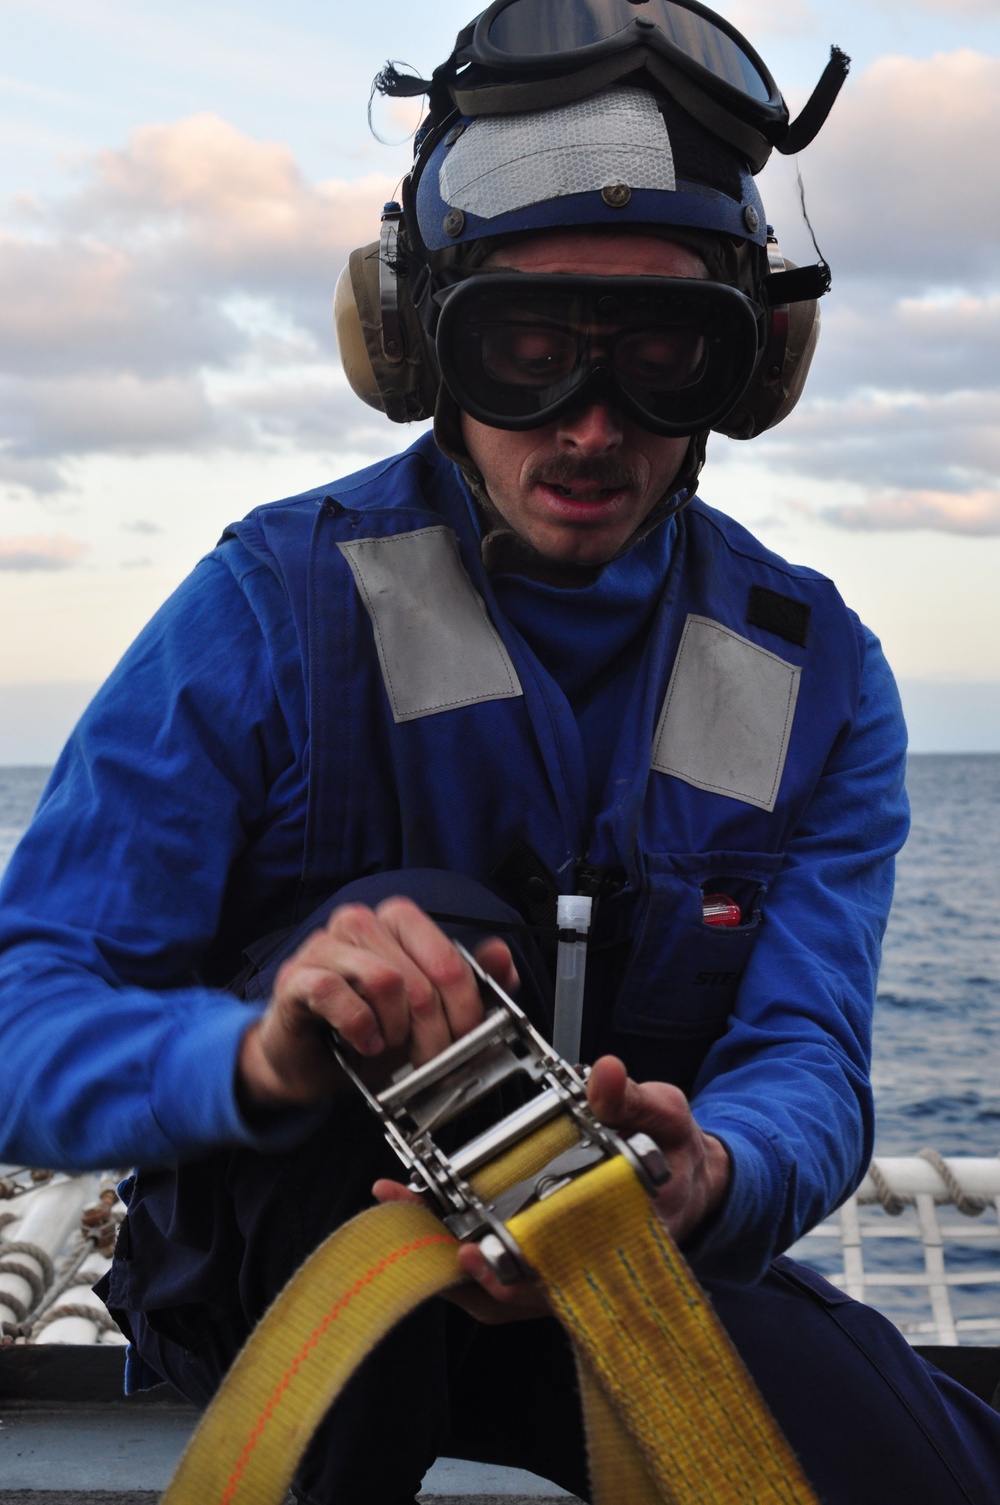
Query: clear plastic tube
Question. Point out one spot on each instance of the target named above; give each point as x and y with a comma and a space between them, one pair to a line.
573, 918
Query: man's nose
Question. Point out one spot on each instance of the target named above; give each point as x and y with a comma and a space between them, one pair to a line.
595, 429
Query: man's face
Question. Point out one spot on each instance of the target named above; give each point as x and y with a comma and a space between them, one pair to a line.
578, 487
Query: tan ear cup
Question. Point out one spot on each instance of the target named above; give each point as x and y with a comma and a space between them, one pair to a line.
353, 337
771, 395
405, 390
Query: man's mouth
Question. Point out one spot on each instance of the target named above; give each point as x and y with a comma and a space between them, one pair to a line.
583, 492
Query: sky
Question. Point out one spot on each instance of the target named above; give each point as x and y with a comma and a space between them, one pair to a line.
181, 184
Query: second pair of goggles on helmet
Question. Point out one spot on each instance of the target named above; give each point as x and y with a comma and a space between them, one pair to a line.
523, 55
517, 349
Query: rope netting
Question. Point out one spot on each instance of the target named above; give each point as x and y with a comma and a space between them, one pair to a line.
57, 1234
894, 1246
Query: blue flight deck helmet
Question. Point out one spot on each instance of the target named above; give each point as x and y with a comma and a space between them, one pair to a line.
620, 157
635, 123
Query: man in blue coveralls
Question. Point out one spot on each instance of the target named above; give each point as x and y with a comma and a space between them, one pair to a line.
518, 660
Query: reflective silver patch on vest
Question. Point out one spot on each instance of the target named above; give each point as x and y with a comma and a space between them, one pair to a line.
437, 647
506, 162
727, 715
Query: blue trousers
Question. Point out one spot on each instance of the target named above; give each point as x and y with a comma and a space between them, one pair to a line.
871, 1422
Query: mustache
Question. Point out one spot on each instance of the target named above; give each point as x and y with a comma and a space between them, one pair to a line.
606, 472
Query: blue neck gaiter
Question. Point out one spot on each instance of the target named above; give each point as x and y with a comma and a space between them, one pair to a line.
590, 638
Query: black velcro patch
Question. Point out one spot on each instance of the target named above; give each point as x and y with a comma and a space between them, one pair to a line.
781, 615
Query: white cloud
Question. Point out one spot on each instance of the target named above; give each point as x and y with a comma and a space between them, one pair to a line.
198, 196
933, 344
53, 551
975, 513
110, 412
29, 473
315, 408
903, 183
180, 301
894, 440
904, 396
193, 254
77, 304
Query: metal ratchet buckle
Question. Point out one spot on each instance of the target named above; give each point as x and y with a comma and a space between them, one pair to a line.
419, 1100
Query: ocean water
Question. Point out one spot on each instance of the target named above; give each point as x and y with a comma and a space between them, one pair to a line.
936, 1064
20, 789
936, 1057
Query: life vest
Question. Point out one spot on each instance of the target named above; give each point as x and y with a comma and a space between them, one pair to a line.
438, 740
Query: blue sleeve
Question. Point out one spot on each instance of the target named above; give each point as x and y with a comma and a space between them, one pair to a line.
787, 1089
111, 1053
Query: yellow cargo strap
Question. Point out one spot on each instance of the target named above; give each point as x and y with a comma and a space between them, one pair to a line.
672, 1416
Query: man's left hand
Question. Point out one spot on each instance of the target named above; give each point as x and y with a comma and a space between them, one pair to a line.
700, 1169
700, 1174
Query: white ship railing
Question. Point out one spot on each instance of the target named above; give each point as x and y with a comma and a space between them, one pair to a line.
937, 1277
56, 1237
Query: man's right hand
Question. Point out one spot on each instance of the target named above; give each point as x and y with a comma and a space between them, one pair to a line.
386, 979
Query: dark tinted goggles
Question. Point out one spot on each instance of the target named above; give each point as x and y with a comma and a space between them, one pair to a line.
673, 353
523, 36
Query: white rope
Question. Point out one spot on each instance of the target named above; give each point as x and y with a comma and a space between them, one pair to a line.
101, 1319
967, 1203
893, 1205
66, 1279
39, 1283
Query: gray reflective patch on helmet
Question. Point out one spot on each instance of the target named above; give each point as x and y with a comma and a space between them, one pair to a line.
437, 647
727, 715
506, 162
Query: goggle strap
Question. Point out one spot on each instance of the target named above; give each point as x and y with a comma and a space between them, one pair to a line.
529, 95
753, 145
811, 118
565, 88
802, 285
